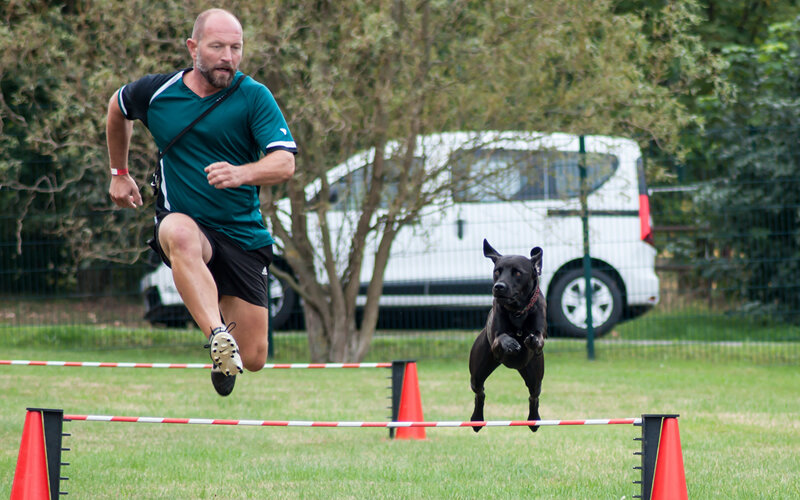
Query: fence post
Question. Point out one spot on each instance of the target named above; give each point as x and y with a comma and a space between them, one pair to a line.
587, 260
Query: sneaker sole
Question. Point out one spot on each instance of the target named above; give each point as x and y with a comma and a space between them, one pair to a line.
225, 354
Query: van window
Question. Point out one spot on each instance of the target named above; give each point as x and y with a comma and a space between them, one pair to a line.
493, 175
349, 191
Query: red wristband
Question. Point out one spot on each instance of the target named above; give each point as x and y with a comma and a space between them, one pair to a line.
119, 171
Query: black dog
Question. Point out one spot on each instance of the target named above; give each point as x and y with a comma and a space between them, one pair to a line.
515, 330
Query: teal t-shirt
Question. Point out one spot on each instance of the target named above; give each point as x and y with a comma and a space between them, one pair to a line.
246, 125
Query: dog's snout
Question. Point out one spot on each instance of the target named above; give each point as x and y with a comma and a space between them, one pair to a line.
500, 287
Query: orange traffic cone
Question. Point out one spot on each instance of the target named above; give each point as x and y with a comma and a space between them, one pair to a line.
410, 405
30, 478
669, 482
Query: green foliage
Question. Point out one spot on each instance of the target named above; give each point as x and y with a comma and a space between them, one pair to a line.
58, 69
718, 26
726, 22
751, 136
743, 22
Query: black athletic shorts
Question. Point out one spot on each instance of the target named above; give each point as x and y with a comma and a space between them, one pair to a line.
237, 272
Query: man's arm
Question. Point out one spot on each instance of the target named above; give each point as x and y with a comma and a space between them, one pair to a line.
275, 168
123, 189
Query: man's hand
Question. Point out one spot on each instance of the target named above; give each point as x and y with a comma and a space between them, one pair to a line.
124, 192
223, 175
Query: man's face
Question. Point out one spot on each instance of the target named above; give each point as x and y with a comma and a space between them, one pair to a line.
219, 51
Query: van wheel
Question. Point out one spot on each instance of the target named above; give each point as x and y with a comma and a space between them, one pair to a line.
566, 309
282, 299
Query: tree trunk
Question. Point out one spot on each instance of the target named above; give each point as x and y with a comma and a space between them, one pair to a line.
318, 345
333, 341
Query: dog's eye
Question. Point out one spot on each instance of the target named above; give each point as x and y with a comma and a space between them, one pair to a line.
517, 273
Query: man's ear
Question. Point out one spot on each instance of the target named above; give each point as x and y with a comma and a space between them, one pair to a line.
191, 44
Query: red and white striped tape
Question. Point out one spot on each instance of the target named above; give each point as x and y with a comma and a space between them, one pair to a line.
98, 364
307, 423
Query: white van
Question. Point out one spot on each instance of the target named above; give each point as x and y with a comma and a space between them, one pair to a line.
517, 190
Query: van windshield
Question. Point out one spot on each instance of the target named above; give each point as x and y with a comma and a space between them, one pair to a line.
493, 175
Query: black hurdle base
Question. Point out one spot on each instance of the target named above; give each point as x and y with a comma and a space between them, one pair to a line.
52, 425
651, 437
397, 377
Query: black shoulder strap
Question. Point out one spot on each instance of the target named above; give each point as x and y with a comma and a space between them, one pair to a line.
203, 115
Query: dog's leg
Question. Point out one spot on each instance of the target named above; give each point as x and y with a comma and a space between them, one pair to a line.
481, 365
532, 374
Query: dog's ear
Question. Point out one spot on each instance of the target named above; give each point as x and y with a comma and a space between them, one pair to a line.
490, 252
536, 260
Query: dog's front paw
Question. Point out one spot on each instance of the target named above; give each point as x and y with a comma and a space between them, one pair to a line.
535, 343
506, 345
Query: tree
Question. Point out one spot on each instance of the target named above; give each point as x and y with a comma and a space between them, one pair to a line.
751, 205
725, 22
59, 67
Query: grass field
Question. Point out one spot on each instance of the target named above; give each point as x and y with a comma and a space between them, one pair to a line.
739, 427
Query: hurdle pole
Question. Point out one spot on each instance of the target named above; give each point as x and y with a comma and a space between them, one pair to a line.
348, 424
207, 366
397, 375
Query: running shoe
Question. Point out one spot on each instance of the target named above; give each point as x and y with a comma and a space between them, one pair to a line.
225, 357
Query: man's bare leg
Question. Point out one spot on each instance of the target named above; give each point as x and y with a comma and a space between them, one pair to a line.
251, 332
188, 251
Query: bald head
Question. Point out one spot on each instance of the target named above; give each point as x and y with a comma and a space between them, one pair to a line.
216, 48
214, 16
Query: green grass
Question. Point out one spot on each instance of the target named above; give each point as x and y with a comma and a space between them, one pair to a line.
739, 429
654, 336
702, 325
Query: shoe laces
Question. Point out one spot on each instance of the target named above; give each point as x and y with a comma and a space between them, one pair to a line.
220, 329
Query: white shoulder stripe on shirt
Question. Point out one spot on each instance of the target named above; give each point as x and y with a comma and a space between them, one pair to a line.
164, 87
121, 102
282, 144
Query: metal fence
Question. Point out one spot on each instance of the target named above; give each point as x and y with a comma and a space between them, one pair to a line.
728, 257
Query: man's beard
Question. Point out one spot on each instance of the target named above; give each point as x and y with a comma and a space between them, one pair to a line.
217, 80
